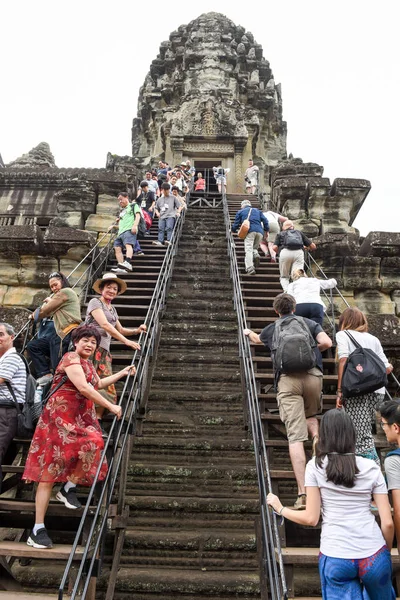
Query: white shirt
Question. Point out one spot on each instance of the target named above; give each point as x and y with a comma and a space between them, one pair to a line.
307, 289
345, 347
349, 529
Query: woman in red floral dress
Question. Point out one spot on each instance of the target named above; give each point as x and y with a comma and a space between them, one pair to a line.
68, 443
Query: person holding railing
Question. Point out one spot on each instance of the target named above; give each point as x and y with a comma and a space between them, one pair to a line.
67, 444
49, 346
102, 315
354, 559
274, 220
290, 244
167, 209
258, 226
362, 408
306, 292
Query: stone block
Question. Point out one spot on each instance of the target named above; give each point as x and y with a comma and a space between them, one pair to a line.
374, 302
381, 243
293, 209
35, 270
354, 191
82, 199
105, 239
396, 299
3, 290
69, 219
107, 204
9, 268
67, 265
309, 228
58, 240
27, 297
331, 267
390, 273
336, 244
386, 328
361, 272
77, 253
99, 223
17, 317
21, 238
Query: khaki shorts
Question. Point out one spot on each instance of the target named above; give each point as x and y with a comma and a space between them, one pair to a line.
299, 398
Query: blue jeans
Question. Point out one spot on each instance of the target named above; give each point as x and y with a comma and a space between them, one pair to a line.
310, 310
165, 225
357, 579
47, 351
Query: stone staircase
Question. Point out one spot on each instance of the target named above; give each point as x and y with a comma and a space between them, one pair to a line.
191, 485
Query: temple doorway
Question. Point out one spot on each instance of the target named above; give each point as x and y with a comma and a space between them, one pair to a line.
205, 167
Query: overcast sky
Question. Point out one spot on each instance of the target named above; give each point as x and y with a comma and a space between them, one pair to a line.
71, 72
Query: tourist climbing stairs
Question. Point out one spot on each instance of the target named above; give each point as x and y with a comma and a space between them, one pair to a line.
300, 544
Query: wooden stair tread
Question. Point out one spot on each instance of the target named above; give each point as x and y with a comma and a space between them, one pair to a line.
59, 552
8, 595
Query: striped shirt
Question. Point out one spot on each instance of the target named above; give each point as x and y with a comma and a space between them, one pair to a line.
12, 369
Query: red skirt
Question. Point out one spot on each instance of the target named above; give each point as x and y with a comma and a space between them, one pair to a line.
67, 443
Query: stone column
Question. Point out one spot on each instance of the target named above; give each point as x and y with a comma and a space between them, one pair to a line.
177, 150
239, 144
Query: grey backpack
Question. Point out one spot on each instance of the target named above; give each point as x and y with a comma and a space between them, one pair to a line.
293, 238
292, 346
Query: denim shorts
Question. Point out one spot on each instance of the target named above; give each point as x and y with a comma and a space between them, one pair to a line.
127, 237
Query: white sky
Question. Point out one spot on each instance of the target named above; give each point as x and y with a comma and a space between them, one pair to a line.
71, 72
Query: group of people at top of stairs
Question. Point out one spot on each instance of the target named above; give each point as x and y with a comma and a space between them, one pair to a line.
344, 474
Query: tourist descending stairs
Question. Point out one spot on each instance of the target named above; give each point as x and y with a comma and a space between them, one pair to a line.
191, 486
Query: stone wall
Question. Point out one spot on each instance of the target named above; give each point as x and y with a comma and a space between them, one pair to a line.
50, 218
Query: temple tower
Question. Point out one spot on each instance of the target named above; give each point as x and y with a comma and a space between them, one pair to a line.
210, 96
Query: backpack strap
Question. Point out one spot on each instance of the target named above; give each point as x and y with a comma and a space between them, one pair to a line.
10, 389
63, 380
357, 345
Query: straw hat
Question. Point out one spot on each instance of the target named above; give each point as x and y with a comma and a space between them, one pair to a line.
110, 278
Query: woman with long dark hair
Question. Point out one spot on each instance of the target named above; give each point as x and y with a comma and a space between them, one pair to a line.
49, 346
360, 408
355, 551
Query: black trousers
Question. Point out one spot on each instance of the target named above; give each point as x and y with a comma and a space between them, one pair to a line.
8, 430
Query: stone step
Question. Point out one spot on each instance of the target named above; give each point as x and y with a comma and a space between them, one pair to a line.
212, 328
210, 548
219, 454
227, 356
193, 504
194, 373
191, 315
178, 583
224, 399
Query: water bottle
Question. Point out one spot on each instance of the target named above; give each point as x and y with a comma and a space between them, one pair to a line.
38, 395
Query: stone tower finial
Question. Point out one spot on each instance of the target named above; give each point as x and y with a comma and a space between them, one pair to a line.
39, 157
210, 90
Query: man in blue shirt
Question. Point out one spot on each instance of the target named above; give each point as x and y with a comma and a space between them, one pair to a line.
258, 225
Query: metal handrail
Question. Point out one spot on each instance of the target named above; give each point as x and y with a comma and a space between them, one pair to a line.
272, 560
120, 430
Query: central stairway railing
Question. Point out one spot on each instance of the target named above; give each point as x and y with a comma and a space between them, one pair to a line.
272, 569
117, 450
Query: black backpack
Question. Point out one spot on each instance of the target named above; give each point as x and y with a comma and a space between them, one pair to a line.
221, 171
292, 346
364, 372
293, 238
141, 230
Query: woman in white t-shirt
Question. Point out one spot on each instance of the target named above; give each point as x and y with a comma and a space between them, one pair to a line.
354, 555
360, 408
274, 219
306, 291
